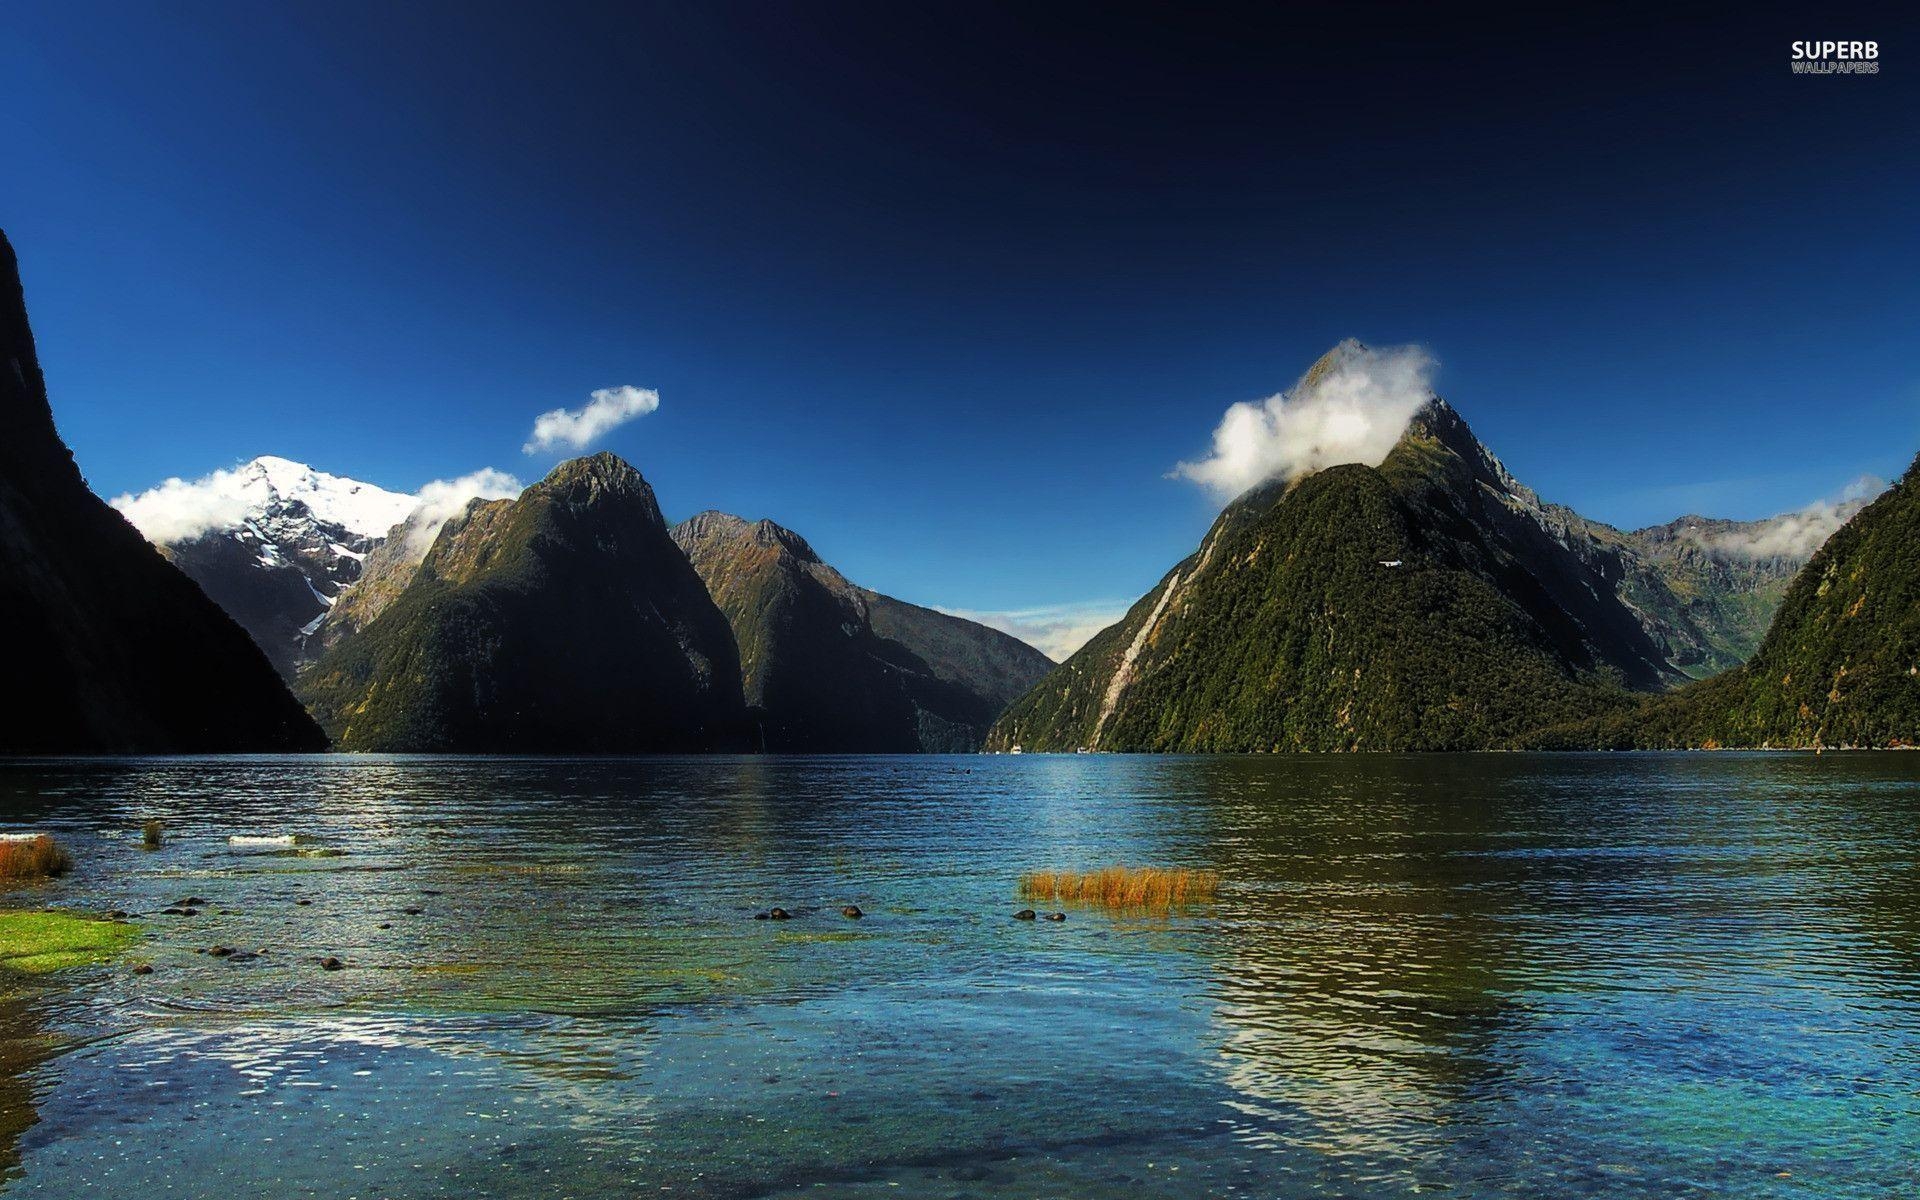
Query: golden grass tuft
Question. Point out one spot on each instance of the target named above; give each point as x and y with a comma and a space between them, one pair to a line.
33, 858
1123, 887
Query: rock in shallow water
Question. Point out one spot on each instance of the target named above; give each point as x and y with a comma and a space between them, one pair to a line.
1025, 914
852, 912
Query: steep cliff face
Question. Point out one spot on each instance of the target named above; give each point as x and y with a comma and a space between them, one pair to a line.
565, 621
108, 648
830, 667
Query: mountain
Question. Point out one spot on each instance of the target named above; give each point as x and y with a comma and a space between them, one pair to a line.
1840, 665
565, 621
1716, 582
274, 542
830, 667
385, 572
1431, 602
108, 648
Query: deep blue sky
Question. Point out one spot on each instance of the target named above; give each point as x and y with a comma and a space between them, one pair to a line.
949, 288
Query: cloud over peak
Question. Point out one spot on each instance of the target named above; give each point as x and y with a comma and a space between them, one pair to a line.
576, 429
440, 501
1794, 536
179, 510
1351, 407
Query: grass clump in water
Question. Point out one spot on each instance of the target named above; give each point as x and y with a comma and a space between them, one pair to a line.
1123, 887
26, 859
152, 834
37, 942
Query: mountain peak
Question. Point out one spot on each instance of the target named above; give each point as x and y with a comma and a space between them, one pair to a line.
264, 493
1344, 352
714, 525
604, 467
595, 478
359, 508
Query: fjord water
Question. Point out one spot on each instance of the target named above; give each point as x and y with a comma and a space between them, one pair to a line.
1646, 975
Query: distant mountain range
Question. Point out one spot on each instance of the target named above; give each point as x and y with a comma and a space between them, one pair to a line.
1430, 603
107, 648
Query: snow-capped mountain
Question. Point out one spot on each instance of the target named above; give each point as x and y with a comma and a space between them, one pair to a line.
273, 542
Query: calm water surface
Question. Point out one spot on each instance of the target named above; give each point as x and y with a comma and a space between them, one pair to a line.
1468, 976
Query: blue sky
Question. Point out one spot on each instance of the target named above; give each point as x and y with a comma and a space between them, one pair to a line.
951, 289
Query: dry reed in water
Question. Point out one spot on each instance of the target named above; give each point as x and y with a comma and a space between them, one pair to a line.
1123, 887
33, 858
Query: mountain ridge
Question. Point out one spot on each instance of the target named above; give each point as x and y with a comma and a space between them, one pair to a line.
562, 621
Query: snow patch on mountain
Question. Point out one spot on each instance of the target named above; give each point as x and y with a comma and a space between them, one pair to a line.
275, 542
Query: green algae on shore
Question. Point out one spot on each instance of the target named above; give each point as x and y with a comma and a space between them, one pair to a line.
38, 942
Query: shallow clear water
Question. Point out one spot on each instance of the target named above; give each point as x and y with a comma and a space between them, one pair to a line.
1473, 976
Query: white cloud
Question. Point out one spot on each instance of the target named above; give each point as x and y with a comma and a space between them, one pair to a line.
1353, 412
1796, 535
608, 408
1054, 630
178, 509
441, 500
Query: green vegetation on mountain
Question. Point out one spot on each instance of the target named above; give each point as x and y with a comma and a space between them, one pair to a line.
565, 621
1426, 604
1712, 603
1840, 665
830, 667
107, 648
